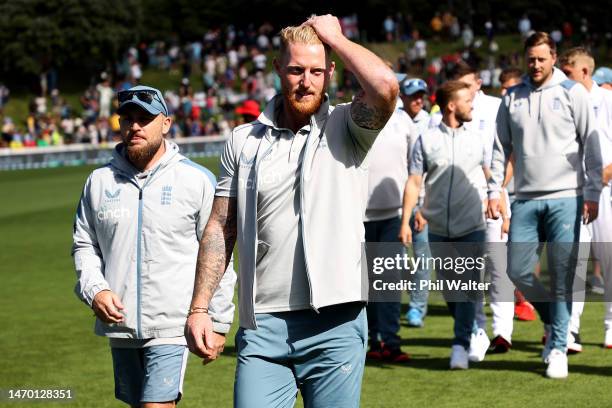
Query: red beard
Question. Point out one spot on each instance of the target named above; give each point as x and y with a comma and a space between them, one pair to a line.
304, 107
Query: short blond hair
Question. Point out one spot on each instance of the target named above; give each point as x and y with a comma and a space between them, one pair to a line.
539, 38
302, 34
578, 54
447, 92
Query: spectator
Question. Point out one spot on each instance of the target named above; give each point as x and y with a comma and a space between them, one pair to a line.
4, 96
389, 28
524, 26
105, 96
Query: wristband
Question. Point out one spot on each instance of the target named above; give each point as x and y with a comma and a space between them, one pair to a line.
195, 310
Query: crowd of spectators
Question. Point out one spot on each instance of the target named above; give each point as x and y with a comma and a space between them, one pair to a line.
230, 68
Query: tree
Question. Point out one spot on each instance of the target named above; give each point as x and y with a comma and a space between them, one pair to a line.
38, 34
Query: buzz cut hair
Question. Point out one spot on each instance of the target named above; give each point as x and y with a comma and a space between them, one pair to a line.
578, 54
510, 73
448, 92
302, 34
539, 38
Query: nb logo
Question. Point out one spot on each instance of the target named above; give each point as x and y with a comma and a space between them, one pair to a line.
566, 226
346, 369
169, 382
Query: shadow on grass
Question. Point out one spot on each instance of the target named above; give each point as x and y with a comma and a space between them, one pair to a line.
538, 367
229, 351
422, 362
427, 342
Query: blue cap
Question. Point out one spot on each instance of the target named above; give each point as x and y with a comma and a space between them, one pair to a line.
147, 98
412, 86
603, 75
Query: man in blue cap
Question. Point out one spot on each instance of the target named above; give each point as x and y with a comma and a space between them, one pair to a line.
603, 77
136, 236
413, 93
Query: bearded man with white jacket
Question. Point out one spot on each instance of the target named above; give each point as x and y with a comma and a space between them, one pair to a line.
136, 238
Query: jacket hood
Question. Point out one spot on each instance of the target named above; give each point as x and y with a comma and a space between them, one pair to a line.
535, 93
557, 77
121, 163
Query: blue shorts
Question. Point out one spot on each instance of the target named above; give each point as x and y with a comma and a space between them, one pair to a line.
149, 374
321, 354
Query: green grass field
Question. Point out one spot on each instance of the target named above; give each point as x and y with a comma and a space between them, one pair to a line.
47, 339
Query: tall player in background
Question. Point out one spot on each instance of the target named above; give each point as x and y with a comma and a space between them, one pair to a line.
553, 194
578, 64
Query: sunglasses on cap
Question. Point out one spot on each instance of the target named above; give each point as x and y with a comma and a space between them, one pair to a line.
144, 95
413, 83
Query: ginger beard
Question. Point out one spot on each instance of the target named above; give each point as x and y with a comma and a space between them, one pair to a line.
303, 101
142, 153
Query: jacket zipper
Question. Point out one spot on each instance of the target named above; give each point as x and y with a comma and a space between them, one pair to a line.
302, 213
139, 258
258, 160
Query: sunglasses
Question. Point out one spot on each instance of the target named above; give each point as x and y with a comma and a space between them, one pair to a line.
415, 82
145, 96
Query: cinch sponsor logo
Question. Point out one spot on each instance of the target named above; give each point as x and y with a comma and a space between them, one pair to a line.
113, 214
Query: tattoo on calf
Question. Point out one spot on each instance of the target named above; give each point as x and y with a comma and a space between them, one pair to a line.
366, 116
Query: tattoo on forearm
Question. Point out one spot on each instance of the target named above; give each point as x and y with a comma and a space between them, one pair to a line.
216, 247
366, 116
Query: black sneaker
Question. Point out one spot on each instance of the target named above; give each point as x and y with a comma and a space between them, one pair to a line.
574, 345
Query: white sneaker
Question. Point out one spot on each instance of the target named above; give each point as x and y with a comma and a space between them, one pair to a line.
557, 364
608, 339
479, 344
574, 344
459, 358
547, 344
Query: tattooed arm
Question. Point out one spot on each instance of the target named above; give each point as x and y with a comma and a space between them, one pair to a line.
373, 107
214, 255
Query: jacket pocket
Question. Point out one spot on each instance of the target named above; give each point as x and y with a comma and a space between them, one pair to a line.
262, 251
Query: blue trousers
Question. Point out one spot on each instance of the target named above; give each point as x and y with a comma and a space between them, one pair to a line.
557, 222
464, 313
420, 245
322, 354
384, 317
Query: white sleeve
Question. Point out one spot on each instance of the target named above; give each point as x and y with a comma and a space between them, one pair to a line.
88, 261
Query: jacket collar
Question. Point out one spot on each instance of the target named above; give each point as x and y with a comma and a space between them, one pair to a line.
451, 131
557, 77
120, 162
269, 116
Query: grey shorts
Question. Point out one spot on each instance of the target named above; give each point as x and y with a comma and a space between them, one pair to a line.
149, 374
